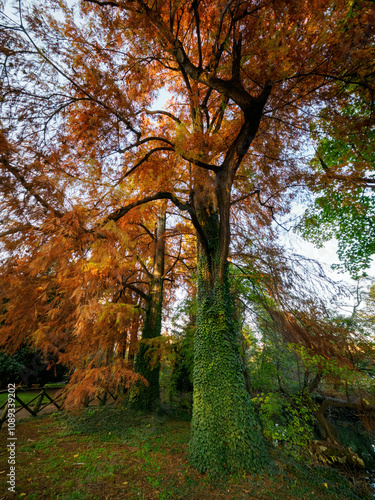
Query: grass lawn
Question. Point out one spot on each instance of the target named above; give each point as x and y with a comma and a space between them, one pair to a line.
110, 453
26, 397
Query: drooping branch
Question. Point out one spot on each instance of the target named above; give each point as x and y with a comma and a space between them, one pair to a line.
30, 189
74, 83
18, 229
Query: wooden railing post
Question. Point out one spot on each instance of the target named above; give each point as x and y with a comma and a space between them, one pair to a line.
39, 401
4, 414
25, 406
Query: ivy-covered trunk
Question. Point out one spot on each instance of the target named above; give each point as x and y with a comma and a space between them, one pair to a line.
225, 433
146, 397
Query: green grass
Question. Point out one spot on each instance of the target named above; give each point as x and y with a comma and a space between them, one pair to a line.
55, 385
29, 395
26, 397
112, 453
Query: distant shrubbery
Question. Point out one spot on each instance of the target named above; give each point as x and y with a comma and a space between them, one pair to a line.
27, 367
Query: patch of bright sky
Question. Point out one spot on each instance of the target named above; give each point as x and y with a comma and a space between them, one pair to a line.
160, 102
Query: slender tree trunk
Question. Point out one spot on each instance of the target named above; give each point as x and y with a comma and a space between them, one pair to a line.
146, 398
225, 433
133, 340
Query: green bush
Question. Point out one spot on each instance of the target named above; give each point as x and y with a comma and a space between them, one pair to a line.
286, 420
27, 367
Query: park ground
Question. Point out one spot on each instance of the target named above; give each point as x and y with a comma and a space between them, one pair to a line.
110, 453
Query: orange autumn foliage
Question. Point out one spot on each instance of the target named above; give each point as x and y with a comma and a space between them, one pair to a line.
85, 157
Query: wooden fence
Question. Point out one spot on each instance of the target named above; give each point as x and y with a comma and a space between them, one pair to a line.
36, 404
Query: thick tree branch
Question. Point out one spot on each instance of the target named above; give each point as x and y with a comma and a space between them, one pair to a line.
105, 3
236, 59
160, 112
315, 382
137, 290
233, 158
152, 236
183, 155
163, 195
143, 141
177, 259
199, 163
218, 118
145, 158
341, 403
232, 89
221, 21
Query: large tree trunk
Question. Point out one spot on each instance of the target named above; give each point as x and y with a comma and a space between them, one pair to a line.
146, 397
225, 433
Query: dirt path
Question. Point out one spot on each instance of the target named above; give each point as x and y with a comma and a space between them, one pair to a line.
25, 414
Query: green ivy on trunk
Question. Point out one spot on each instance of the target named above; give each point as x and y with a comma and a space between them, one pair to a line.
225, 433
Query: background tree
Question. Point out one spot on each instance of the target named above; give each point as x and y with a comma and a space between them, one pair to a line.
310, 368
147, 397
343, 187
